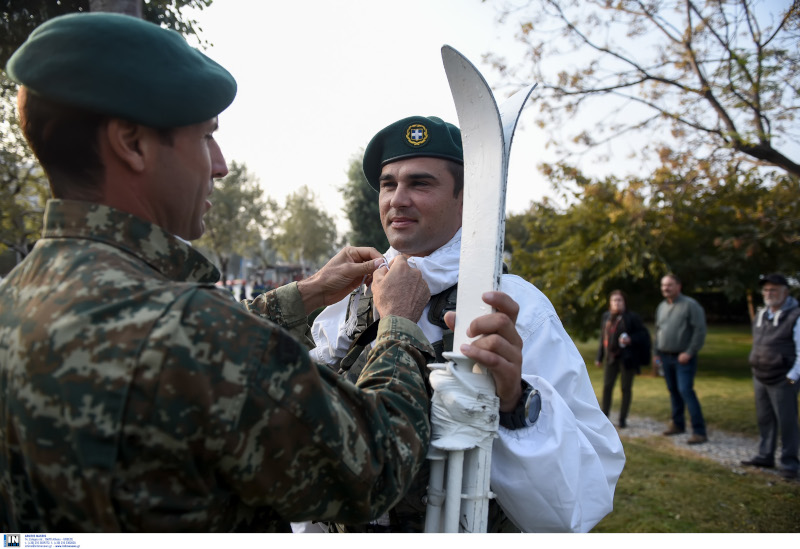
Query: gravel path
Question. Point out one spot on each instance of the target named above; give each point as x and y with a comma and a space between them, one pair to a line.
725, 448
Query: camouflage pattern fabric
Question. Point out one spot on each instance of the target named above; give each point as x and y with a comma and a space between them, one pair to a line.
137, 396
408, 515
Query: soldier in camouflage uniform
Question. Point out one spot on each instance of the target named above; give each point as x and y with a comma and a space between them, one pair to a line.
134, 394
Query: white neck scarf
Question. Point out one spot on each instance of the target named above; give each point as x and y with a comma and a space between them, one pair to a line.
440, 269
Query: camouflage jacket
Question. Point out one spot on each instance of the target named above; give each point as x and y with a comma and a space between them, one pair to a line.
408, 516
137, 396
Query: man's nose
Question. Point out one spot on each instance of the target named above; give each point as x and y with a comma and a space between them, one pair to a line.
400, 197
219, 168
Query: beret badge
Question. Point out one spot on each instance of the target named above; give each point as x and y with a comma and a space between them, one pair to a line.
411, 137
416, 135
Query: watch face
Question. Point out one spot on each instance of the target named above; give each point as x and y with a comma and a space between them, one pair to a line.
533, 407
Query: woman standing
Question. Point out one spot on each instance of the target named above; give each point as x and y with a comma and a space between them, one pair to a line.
624, 342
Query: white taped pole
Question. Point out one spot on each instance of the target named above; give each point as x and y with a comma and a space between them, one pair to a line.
452, 498
486, 140
435, 497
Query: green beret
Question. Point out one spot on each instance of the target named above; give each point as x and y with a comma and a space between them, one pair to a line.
124, 67
408, 138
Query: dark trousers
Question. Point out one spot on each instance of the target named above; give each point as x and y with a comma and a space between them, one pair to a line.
610, 372
776, 411
680, 383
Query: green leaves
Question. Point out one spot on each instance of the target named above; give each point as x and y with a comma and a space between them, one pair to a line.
717, 226
305, 233
20, 17
361, 207
23, 185
241, 218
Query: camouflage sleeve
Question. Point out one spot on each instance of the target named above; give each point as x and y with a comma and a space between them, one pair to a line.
352, 450
284, 307
238, 402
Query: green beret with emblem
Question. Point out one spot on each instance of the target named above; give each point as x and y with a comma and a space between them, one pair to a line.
408, 138
124, 67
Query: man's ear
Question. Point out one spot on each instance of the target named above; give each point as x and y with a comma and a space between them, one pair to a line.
128, 142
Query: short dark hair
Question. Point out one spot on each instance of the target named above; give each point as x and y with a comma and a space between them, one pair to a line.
674, 277
619, 293
64, 139
457, 171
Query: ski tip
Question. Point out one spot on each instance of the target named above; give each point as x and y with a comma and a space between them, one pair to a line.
450, 51
452, 57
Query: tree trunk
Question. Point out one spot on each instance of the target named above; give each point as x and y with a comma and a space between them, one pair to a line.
750, 309
127, 7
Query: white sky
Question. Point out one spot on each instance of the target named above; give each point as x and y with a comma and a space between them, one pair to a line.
317, 79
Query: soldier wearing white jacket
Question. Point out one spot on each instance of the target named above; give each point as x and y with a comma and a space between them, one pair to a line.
554, 469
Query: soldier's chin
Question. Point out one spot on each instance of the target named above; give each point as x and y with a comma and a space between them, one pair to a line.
409, 249
402, 245
195, 234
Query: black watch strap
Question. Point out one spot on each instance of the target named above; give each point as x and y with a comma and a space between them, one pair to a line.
527, 410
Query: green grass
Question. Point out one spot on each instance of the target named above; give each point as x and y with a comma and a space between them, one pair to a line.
723, 383
665, 488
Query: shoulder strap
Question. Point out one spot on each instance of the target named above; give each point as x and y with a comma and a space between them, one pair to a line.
446, 301
365, 331
364, 313
440, 304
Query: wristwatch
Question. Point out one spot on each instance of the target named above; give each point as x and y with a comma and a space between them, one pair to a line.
527, 410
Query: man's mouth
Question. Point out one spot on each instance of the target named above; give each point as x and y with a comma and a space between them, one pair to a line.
208, 196
401, 222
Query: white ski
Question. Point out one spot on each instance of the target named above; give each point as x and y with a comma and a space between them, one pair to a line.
486, 134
